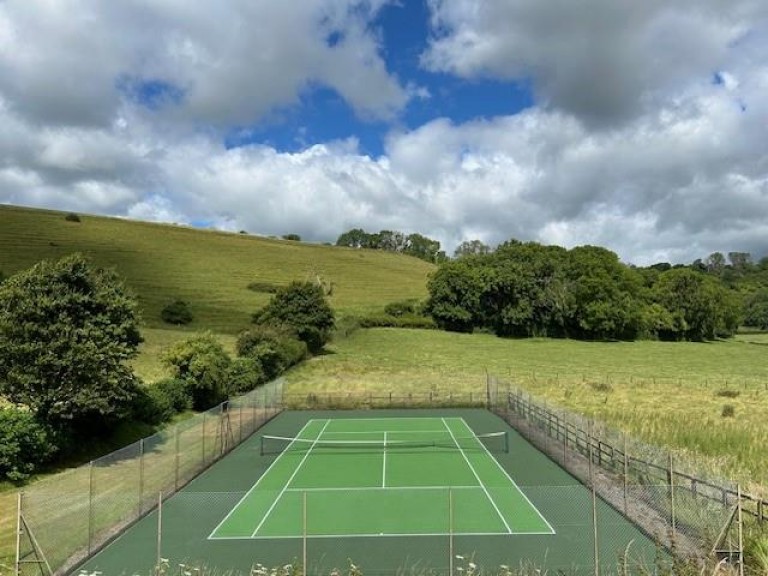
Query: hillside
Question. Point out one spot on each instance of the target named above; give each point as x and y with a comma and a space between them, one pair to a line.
209, 269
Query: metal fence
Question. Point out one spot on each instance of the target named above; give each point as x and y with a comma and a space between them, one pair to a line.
592, 539
690, 515
66, 518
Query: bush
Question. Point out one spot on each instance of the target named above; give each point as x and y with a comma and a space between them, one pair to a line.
729, 411
245, 374
388, 321
403, 308
72, 217
203, 364
274, 349
161, 401
24, 444
177, 312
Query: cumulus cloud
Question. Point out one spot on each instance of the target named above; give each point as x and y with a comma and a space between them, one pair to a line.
604, 61
652, 145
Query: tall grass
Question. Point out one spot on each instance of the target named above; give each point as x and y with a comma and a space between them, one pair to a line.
670, 394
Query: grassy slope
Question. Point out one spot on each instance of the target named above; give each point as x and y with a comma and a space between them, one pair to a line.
209, 269
665, 393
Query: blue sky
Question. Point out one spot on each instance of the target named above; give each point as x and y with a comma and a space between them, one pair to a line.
638, 126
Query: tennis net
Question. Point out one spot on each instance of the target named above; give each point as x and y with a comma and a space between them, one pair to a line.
491, 442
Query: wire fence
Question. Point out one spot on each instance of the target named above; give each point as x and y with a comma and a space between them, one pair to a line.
591, 539
691, 515
68, 517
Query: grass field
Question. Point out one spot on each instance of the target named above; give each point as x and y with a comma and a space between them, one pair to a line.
211, 270
402, 509
665, 393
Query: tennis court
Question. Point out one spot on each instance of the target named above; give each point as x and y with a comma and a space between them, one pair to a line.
410, 476
396, 491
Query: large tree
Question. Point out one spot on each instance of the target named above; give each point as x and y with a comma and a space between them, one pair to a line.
67, 329
300, 307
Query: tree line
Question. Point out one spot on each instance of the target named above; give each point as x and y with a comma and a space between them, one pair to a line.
528, 289
394, 241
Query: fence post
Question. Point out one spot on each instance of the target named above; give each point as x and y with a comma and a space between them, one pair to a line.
176, 458
159, 532
90, 507
594, 512
203, 441
16, 567
141, 474
626, 473
671, 477
741, 530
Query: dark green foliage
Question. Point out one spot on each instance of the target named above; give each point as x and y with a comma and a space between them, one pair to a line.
401, 321
471, 248
302, 309
2, 277
66, 332
24, 444
72, 217
245, 374
393, 241
161, 401
728, 393
203, 364
273, 348
294, 237
403, 308
756, 309
526, 289
177, 312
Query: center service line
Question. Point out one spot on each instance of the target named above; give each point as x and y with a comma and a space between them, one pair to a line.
384, 466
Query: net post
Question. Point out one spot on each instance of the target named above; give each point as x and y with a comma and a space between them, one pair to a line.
261, 445
506, 441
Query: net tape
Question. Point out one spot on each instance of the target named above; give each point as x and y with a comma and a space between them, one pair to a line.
493, 441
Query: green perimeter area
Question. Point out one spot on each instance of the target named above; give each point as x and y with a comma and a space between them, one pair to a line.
412, 476
190, 516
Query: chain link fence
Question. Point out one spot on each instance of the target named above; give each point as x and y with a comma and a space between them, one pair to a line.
691, 515
591, 538
66, 518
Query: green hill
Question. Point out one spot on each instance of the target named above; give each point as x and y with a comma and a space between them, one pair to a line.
209, 269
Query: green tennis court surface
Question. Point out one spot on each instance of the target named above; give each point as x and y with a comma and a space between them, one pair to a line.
384, 477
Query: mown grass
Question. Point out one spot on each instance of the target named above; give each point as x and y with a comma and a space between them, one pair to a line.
669, 394
211, 270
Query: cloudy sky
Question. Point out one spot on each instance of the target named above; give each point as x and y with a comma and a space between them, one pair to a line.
641, 126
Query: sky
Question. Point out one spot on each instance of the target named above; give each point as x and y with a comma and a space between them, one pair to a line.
638, 126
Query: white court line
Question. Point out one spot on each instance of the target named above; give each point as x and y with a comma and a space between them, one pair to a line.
509, 530
442, 430
252, 488
511, 480
377, 535
296, 471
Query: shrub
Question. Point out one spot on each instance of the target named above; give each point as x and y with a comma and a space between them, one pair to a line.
294, 237
203, 364
72, 217
274, 349
729, 411
177, 312
302, 308
245, 374
388, 321
161, 401
402, 308
24, 444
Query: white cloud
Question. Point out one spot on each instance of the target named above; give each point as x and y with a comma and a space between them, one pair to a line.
604, 61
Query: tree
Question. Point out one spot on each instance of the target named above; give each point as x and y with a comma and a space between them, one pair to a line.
67, 329
302, 308
423, 248
177, 312
756, 310
204, 365
355, 238
471, 248
293, 237
455, 292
